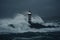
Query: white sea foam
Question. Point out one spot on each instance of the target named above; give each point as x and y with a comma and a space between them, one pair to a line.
21, 24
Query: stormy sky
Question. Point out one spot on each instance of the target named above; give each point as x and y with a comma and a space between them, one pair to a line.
43, 8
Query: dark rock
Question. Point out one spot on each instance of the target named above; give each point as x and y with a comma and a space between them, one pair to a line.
38, 26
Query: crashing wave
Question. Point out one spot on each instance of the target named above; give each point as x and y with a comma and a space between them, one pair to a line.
21, 25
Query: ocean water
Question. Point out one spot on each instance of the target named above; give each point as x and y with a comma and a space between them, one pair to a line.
22, 31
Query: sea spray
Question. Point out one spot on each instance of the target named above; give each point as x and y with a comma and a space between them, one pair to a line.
21, 25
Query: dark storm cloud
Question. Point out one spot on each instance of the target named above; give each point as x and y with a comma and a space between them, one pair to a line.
44, 8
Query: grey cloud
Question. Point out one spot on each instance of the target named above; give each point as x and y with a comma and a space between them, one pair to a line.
44, 8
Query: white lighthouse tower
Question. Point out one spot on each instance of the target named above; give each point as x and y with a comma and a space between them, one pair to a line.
29, 16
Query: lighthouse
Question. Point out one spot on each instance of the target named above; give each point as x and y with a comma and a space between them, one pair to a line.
29, 17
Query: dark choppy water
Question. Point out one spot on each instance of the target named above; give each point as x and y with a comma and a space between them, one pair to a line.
22, 31
31, 36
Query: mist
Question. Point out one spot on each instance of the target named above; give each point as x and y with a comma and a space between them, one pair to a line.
21, 24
